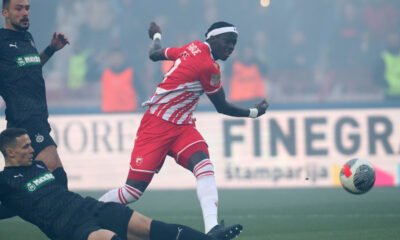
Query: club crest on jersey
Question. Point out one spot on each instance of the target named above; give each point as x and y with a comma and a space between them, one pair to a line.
139, 161
39, 138
215, 79
39, 181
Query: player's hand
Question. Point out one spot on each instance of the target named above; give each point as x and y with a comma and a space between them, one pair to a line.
153, 29
58, 41
262, 107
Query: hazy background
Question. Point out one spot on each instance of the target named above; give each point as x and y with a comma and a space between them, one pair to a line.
309, 51
319, 55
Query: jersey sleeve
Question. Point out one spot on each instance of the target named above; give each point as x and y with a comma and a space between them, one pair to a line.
174, 53
4, 211
3, 187
210, 79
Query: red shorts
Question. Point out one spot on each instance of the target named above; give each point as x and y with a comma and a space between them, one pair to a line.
157, 138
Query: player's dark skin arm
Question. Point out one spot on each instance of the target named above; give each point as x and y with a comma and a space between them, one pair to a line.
222, 106
156, 52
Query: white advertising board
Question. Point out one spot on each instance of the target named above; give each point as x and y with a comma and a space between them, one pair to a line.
281, 149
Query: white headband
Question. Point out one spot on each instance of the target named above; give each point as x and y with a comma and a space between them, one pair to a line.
222, 30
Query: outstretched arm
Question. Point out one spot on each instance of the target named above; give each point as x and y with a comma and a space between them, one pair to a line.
58, 41
156, 51
222, 106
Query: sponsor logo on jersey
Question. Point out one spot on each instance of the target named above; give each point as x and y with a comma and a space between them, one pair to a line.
184, 55
39, 138
28, 60
39, 181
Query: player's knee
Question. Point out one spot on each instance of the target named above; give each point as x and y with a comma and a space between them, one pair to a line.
196, 158
203, 168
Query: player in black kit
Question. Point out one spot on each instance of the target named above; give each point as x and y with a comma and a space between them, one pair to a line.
31, 190
22, 85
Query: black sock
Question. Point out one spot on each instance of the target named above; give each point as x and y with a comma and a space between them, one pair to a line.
61, 176
163, 231
115, 237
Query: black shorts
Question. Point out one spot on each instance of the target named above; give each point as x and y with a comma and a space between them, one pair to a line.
39, 133
95, 215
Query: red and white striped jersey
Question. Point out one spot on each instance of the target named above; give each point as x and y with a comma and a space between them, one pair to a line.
193, 73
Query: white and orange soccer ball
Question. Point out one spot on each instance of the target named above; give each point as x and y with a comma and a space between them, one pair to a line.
357, 176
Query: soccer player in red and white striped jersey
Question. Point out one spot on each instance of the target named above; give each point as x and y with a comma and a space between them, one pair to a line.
193, 73
168, 127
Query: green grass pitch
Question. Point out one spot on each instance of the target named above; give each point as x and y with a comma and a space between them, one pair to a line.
268, 214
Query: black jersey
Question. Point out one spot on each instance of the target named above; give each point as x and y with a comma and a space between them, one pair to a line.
34, 195
21, 80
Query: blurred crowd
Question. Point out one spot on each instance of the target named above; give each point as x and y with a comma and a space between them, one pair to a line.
311, 51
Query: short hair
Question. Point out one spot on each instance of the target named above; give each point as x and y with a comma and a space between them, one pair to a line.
6, 4
8, 138
219, 24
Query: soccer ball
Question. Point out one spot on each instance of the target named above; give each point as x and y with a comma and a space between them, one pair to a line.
357, 176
